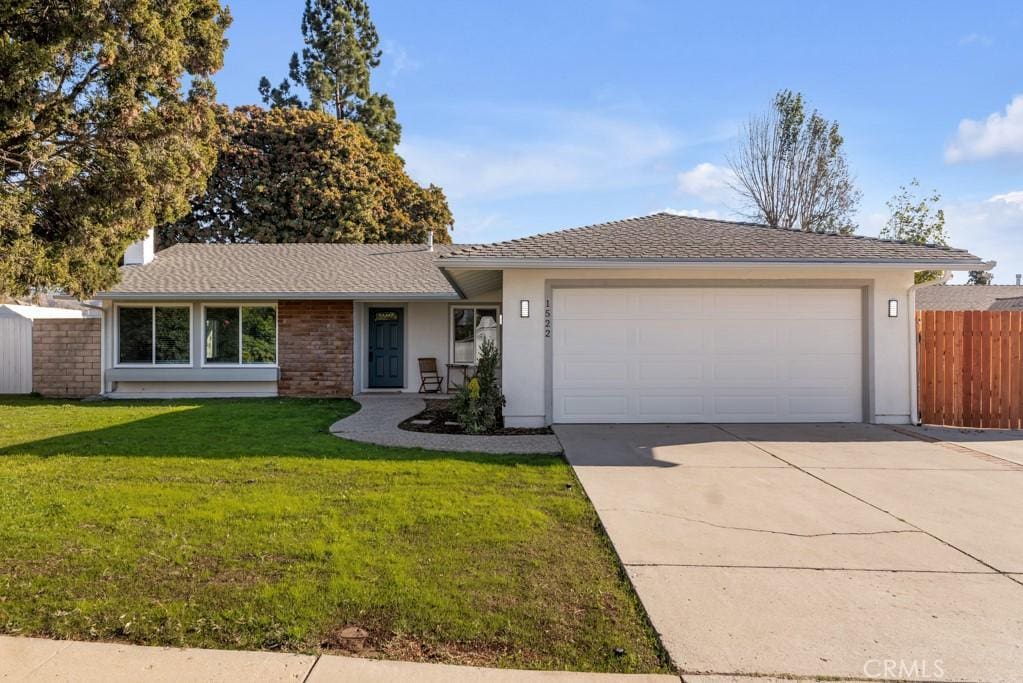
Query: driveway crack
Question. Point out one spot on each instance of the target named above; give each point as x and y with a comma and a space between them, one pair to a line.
867, 502
764, 531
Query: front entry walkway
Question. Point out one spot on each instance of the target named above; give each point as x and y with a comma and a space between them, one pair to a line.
848, 551
378, 419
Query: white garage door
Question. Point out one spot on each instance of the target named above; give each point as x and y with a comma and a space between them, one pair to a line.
707, 355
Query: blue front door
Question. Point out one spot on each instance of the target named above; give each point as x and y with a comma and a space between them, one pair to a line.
386, 348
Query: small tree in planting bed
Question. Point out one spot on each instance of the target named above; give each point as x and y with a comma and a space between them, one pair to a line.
477, 405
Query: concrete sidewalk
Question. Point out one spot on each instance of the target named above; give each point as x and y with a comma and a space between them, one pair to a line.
39, 659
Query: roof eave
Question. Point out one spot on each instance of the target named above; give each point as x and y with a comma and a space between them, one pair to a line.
518, 262
277, 296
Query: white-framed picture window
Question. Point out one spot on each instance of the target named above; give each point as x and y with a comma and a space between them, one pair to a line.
240, 335
470, 326
154, 335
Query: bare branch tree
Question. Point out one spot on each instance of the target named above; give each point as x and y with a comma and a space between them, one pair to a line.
792, 172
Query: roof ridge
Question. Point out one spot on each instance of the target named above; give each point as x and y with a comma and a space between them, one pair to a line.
703, 219
767, 226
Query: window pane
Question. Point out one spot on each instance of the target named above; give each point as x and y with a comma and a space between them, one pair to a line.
486, 327
135, 335
259, 335
221, 335
172, 335
464, 336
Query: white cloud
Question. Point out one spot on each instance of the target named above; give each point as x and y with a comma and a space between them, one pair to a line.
698, 213
1001, 134
396, 58
709, 182
1009, 198
557, 152
991, 229
981, 39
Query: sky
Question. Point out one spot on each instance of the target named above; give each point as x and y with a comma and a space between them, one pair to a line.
537, 116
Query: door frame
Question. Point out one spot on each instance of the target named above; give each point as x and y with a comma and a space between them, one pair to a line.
400, 310
866, 287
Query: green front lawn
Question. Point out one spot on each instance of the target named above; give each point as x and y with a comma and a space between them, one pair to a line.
244, 524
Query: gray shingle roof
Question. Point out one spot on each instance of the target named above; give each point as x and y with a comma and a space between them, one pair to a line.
670, 237
970, 298
288, 269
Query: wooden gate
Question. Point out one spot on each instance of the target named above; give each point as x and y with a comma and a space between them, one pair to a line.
970, 371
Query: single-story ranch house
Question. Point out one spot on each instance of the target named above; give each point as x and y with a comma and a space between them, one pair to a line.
661, 318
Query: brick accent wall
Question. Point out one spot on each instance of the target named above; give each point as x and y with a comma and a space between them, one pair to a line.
66, 356
314, 348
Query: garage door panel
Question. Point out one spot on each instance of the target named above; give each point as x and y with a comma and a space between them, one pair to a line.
668, 370
744, 337
657, 306
594, 336
747, 371
578, 373
811, 371
707, 355
741, 303
668, 408
606, 407
810, 336
739, 407
821, 408
666, 336
822, 304
594, 304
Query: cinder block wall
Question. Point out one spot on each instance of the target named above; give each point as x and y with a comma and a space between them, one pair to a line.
66, 356
314, 348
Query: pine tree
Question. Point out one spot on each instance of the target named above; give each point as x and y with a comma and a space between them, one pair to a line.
341, 50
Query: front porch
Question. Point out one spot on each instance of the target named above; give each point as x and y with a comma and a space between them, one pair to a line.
391, 337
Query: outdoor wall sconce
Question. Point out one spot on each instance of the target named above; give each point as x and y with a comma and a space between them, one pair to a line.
524, 308
893, 308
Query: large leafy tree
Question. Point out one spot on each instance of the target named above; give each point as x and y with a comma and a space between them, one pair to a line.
791, 171
342, 48
295, 175
916, 220
98, 139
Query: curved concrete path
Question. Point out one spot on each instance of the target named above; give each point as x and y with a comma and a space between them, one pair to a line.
377, 422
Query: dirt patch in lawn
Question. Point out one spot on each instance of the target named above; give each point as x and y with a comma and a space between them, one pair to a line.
405, 647
443, 421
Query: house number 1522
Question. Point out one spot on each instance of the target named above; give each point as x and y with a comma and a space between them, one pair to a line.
547, 318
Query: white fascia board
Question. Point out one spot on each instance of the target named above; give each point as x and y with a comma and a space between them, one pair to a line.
508, 264
276, 296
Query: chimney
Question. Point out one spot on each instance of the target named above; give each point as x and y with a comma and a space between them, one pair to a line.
429, 240
1018, 278
140, 253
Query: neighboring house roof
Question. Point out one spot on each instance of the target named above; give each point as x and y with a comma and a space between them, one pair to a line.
970, 298
36, 312
664, 237
280, 270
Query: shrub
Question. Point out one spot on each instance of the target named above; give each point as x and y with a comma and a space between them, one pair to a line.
478, 402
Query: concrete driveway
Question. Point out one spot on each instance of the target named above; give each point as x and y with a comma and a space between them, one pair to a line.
849, 551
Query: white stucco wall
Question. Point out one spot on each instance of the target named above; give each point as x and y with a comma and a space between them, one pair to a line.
888, 340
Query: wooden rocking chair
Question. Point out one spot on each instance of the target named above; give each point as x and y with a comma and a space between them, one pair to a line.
430, 380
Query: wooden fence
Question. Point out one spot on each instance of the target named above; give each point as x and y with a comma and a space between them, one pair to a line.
970, 369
